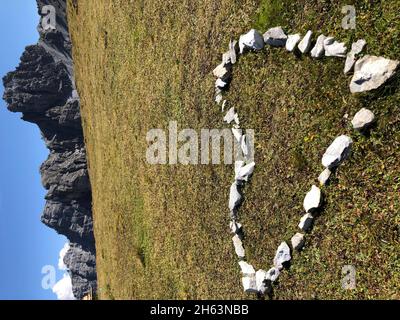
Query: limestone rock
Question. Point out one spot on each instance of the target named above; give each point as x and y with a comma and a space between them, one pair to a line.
247, 269
313, 199
219, 83
363, 119
305, 43
261, 277
231, 115
235, 198
251, 40
324, 177
356, 48
275, 37
235, 227
334, 48
244, 173
337, 152
297, 241
370, 72
306, 222
318, 50
249, 284
292, 41
282, 256
273, 274
237, 243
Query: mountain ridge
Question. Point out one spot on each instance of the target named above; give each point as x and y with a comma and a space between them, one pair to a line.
43, 88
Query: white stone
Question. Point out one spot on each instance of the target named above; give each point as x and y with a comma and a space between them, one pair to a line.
297, 241
356, 48
261, 276
245, 145
223, 105
337, 152
305, 43
363, 119
244, 173
313, 199
324, 176
249, 284
247, 269
230, 115
235, 227
334, 48
306, 222
282, 255
220, 71
318, 50
219, 83
237, 133
238, 244
370, 72
232, 50
234, 197
275, 37
218, 98
292, 41
252, 40
273, 274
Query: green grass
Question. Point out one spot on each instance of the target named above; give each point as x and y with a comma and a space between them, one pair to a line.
162, 231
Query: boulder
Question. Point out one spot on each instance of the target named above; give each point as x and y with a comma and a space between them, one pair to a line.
313, 199
370, 72
334, 48
249, 284
292, 41
244, 173
282, 256
238, 244
235, 198
337, 152
235, 227
219, 83
221, 71
298, 241
252, 40
261, 282
246, 268
275, 37
273, 274
231, 115
356, 48
305, 43
318, 50
306, 222
324, 176
363, 119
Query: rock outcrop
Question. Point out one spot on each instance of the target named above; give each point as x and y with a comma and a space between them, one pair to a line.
43, 89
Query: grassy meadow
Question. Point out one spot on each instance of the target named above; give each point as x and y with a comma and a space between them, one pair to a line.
162, 231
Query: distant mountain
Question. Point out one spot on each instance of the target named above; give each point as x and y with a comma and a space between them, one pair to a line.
43, 89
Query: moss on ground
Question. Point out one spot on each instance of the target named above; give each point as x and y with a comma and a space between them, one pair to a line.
162, 231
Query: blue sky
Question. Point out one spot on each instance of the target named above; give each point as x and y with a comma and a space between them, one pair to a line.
26, 245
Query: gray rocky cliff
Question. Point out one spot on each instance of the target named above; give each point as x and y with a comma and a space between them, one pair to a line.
43, 89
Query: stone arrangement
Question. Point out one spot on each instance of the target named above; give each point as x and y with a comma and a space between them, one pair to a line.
370, 72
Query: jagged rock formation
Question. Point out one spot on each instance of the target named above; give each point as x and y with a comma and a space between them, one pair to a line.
43, 89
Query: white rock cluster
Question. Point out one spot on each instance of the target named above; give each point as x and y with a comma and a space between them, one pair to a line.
370, 72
